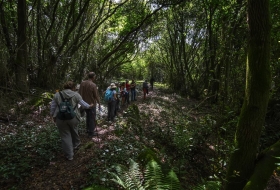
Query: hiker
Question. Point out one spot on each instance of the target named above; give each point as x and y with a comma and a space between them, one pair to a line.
123, 93
152, 80
68, 129
89, 93
127, 86
118, 95
145, 88
133, 90
112, 102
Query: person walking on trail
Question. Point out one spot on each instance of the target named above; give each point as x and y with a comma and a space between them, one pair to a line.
68, 128
118, 95
133, 90
89, 93
152, 80
145, 89
123, 94
127, 86
112, 103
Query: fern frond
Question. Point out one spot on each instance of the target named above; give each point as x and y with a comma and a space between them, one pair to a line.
132, 179
154, 176
172, 182
119, 176
133, 176
128, 178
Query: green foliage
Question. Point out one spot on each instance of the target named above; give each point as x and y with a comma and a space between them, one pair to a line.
133, 111
208, 185
153, 178
194, 144
134, 119
116, 150
95, 187
40, 101
147, 155
172, 180
26, 148
128, 178
43, 99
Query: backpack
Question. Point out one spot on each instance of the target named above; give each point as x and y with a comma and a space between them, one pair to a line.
66, 110
145, 85
108, 95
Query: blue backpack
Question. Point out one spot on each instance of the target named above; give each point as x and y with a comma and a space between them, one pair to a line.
108, 95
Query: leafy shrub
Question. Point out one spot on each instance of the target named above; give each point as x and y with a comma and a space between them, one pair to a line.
25, 148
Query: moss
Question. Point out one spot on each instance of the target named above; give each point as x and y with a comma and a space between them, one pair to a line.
265, 165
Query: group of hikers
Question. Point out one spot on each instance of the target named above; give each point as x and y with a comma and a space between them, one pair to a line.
68, 105
119, 95
122, 93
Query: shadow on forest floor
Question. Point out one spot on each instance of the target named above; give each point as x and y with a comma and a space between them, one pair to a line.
94, 158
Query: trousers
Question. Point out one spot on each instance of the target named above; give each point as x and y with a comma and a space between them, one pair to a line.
68, 131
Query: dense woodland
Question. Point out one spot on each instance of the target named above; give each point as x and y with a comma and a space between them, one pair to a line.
212, 121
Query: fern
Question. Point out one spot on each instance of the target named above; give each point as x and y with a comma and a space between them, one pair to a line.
133, 176
120, 170
128, 178
172, 180
153, 176
153, 179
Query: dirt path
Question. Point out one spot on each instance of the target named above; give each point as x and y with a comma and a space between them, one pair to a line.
64, 174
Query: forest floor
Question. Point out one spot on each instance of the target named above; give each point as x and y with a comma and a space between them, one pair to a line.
89, 158
64, 174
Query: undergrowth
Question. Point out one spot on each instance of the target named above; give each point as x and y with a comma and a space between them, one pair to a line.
186, 138
24, 143
25, 148
192, 144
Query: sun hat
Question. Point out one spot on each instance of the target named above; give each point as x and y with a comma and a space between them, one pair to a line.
113, 85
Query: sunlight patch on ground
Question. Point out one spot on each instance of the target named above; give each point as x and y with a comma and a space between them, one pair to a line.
105, 129
113, 137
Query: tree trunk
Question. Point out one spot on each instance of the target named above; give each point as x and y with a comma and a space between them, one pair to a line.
258, 80
264, 168
10, 47
21, 59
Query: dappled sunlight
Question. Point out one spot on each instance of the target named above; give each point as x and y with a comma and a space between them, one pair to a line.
156, 127
105, 129
113, 137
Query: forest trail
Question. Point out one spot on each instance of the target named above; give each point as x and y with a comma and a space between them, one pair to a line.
89, 159
64, 174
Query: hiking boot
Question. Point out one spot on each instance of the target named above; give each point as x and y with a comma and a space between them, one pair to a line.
69, 158
92, 135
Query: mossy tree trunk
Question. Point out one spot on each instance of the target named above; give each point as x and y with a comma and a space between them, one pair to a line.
258, 79
266, 163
